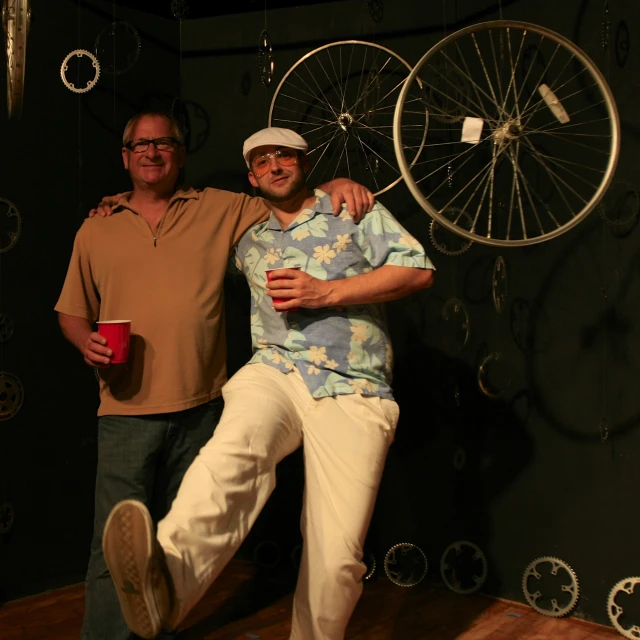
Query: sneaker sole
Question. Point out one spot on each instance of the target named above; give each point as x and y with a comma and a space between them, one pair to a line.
127, 544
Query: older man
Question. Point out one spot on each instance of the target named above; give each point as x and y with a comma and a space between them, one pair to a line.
319, 377
160, 261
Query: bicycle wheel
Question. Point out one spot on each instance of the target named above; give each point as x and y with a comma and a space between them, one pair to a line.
341, 98
16, 16
527, 137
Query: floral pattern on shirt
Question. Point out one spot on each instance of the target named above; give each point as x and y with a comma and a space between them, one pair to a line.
342, 350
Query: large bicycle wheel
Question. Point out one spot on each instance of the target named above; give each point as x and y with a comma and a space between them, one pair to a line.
524, 133
16, 16
341, 98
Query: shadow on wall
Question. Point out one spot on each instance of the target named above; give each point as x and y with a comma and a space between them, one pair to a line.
455, 451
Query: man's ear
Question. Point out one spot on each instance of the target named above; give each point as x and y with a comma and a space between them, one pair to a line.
125, 158
304, 163
252, 179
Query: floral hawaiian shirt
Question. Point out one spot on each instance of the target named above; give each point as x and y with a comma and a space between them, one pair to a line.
337, 350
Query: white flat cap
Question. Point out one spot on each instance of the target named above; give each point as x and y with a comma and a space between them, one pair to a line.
275, 136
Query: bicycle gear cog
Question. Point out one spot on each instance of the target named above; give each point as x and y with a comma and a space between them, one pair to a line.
459, 459
267, 554
490, 390
455, 326
626, 585
12, 234
118, 45
6, 328
573, 589
499, 284
7, 517
11, 395
459, 566
370, 561
296, 556
64, 67
179, 9
450, 243
405, 564
619, 207
623, 43
376, 10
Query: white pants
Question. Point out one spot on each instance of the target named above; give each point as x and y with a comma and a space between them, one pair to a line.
268, 415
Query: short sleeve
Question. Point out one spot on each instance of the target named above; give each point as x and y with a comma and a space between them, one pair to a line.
79, 296
384, 241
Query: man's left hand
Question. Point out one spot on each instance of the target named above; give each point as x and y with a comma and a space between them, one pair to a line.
358, 198
299, 289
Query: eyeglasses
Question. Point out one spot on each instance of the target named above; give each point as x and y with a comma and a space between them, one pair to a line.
142, 144
261, 163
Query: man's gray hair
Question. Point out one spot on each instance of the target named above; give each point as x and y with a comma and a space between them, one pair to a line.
176, 129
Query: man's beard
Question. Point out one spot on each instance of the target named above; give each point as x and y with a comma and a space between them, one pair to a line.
295, 187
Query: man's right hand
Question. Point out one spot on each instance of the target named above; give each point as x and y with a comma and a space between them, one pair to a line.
104, 208
96, 353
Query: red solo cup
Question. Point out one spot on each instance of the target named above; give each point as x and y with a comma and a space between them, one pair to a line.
118, 335
271, 277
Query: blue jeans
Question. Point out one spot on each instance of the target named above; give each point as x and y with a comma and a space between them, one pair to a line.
141, 458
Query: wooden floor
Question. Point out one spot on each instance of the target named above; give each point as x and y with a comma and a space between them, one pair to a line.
243, 605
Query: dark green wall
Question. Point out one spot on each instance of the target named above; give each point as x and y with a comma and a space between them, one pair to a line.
538, 480
57, 161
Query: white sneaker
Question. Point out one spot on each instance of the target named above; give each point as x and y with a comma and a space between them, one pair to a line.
139, 570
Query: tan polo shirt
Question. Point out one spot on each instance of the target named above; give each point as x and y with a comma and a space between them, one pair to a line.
172, 291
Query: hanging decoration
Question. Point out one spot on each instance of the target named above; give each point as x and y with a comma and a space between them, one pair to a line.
267, 554
623, 43
370, 562
80, 53
266, 63
6, 328
11, 395
117, 47
499, 284
489, 389
16, 20
7, 517
491, 135
179, 9
376, 10
455, 326
10, 225
341, 98
446, 241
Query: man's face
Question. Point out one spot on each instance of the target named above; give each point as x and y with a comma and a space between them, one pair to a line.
153, 166
277, 181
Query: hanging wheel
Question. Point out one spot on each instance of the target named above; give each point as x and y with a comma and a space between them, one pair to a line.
16, 16
341, 99
524, 133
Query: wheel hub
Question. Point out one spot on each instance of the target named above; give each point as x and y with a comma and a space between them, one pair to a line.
345, 120
507, 132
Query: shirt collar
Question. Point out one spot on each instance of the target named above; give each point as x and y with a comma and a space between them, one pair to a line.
183, 193
322, 204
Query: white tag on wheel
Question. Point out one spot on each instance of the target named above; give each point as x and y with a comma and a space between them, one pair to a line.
472, 130
554, 104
